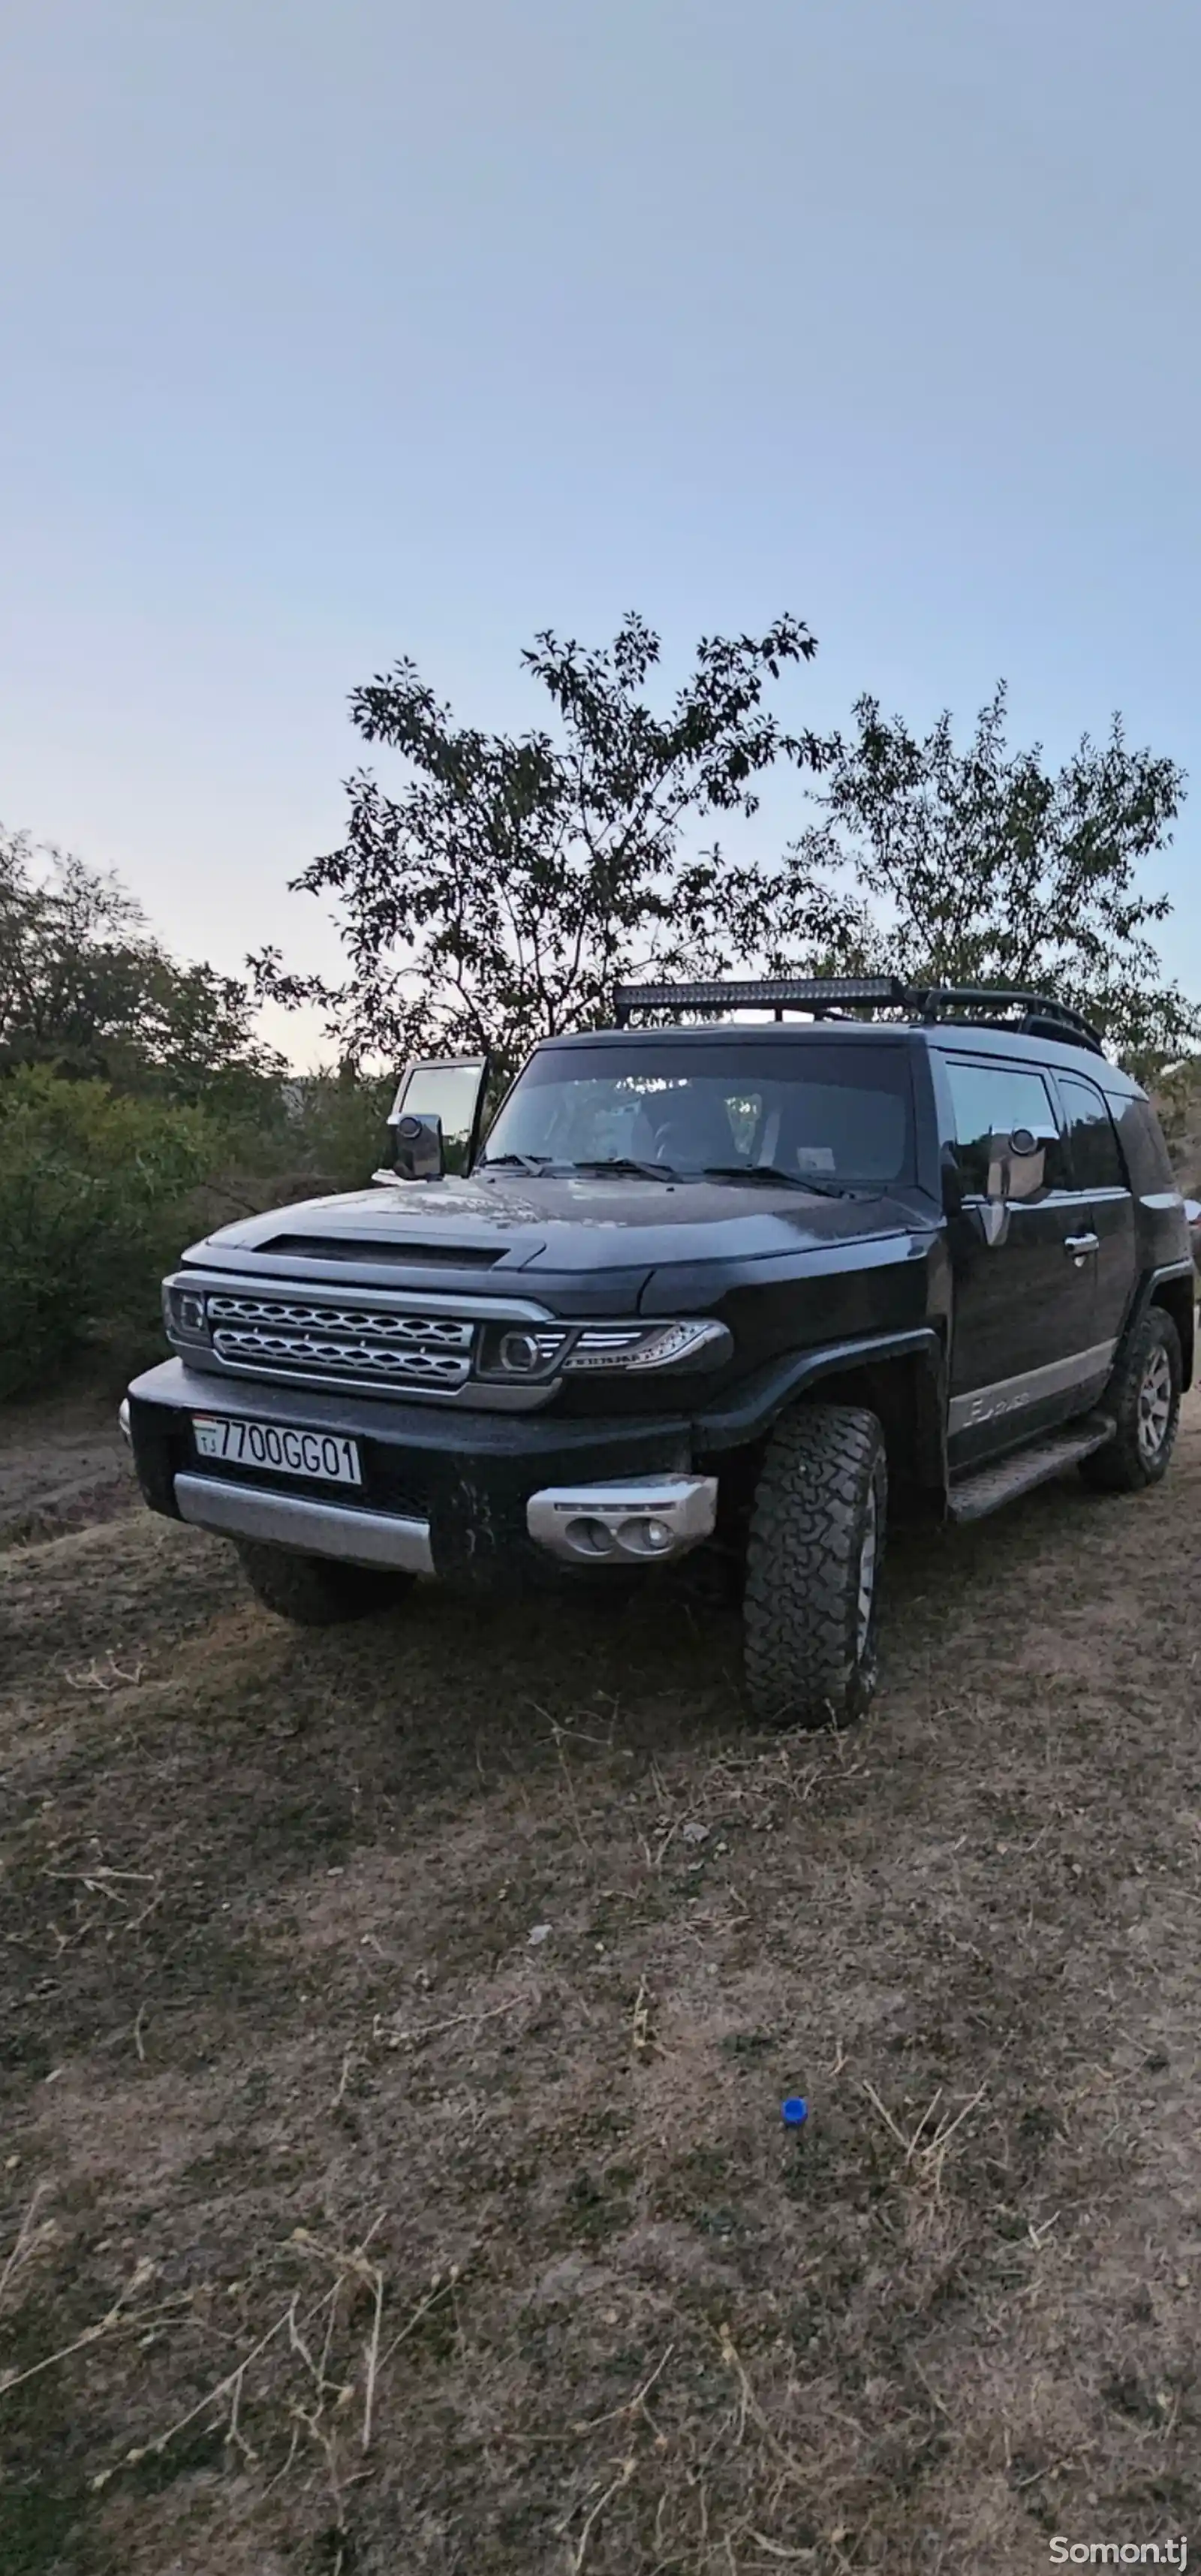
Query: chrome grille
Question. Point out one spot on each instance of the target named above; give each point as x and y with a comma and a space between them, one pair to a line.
363, 1345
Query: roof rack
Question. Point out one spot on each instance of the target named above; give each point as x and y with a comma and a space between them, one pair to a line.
825, 997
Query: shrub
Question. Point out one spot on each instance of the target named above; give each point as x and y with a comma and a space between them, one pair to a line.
93, 1207
339, 1125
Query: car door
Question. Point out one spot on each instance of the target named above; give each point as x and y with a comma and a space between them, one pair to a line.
451, 1089
1105, 1204
1022, 1323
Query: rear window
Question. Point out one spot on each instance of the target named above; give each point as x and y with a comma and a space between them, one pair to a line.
1143, 1146
1092, 1144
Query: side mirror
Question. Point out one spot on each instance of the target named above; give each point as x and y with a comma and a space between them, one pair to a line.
418, 1154
446, 1092
1017, 1165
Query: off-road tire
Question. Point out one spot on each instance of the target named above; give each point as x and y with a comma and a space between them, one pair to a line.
1132, 1460
316, 1591
809, 1651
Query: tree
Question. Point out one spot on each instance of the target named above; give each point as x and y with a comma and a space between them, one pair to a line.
86, 990
500, 893
95, 1194
993, 869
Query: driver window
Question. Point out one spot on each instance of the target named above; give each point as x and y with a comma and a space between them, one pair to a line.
993, 1103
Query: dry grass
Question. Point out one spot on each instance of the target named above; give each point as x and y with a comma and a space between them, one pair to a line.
346, 2230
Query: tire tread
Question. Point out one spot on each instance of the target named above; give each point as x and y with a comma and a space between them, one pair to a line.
800, 1599
1120, 1468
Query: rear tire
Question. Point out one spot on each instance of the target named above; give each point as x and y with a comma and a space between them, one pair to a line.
316, 1591
814, 1549
1146, 1399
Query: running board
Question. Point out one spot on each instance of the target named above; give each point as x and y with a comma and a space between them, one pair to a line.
973, 1496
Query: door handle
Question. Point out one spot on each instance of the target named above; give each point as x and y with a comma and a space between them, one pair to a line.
1076, 1245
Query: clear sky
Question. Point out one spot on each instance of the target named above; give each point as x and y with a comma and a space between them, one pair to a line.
335, 329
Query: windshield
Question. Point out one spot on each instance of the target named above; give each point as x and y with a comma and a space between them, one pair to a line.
823, 1113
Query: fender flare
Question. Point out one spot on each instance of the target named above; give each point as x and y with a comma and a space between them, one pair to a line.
1147, 1293
752, 1409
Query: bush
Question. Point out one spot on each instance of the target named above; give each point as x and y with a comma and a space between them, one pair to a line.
301, 1137
339, 1125
93, 1208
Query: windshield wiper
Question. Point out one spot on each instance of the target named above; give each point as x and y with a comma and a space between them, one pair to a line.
773, 1173
626, 1163
514, 1162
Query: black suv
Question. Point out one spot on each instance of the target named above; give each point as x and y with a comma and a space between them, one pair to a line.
705, 1282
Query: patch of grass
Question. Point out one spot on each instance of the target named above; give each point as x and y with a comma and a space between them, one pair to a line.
749, 2043
42, 2528
157, 2470
591, 2305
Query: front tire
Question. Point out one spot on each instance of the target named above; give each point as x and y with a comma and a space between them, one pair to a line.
1146, 1399
316, 1591
814, 1550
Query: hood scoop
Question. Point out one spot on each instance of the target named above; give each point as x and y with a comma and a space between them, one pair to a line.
403, 1256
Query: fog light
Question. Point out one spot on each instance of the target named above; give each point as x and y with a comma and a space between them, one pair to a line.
644, 1537
592, 1538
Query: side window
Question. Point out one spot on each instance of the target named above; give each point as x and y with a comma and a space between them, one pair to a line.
1092, 1144
993, 1103
1144, 1152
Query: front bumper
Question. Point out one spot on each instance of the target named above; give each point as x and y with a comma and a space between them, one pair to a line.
462, 1497
355, 1536
645, 1520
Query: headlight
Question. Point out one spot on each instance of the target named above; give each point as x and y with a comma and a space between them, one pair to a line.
521, 1351
183, 1312
634, 1347
536, 1352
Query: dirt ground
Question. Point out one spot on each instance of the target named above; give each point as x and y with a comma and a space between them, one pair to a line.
396, 2025
62, 1465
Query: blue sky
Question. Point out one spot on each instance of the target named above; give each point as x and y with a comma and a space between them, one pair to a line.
330, 332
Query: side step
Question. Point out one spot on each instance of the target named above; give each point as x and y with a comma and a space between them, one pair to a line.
985, 1491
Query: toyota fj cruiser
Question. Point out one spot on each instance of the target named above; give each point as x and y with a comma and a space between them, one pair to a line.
704, 1282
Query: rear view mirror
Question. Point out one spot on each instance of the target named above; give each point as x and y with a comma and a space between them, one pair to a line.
418, 1154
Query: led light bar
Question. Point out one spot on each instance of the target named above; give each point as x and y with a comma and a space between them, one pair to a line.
1041, 1015
769, 993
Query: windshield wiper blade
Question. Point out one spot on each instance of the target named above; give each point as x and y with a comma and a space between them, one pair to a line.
514, 1162
773, 1173
627, 1163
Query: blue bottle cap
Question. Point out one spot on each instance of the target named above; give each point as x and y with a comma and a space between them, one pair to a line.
795, 2110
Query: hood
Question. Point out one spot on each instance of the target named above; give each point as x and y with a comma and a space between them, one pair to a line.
508, 1223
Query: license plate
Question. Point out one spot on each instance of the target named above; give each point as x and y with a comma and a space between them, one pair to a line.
325, 1457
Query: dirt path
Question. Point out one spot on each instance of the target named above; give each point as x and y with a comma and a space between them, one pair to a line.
62, 1466
396, 2029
